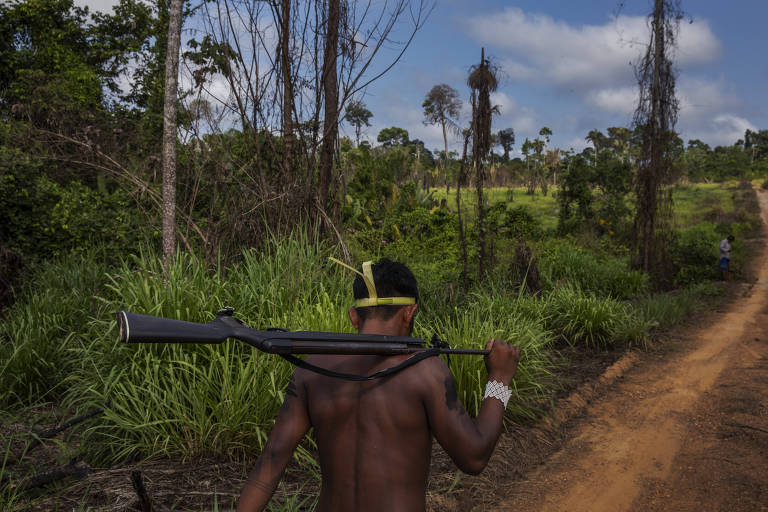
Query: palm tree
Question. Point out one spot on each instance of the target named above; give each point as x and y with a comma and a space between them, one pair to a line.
597, 138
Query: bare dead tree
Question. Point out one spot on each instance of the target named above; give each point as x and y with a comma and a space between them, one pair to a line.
461, 180
331, 93
280, 59
655, 117
482, 80
283, 13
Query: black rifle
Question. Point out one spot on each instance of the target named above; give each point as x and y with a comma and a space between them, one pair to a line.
135, 328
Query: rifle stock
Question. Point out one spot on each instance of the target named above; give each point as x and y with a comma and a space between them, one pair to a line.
135, 328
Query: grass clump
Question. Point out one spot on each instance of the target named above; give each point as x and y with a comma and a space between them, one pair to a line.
477, 321
584, 318
39, 331
195, 400
564, 262
668, 309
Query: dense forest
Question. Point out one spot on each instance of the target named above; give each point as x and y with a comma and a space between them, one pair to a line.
266, 190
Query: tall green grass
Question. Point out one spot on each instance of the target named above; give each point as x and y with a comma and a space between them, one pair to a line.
583, 318
482, 318
196, 400
562, 262
8, 497
191, 401
667, 309
39, 331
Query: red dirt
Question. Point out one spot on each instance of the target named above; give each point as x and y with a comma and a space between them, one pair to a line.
688, 432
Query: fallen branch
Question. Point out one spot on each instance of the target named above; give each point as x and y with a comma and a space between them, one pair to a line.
71, 423
53, 475
145, 502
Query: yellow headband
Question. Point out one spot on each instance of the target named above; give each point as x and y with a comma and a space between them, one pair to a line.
373, 299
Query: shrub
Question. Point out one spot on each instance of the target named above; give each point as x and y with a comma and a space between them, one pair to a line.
562, 261
520, 222
41, 218
481, 318
40, 330
583, 318
694, 253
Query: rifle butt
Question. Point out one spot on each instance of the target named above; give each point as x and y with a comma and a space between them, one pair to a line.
135, 328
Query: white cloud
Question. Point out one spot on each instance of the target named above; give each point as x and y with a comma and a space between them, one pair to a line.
594, 63
720, 130
97, 5
620, 100
577, 143
523, 119
539, 48
699, 97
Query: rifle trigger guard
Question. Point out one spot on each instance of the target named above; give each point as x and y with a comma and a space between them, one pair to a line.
436, 342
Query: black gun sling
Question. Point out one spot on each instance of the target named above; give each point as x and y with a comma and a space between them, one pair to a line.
419, 356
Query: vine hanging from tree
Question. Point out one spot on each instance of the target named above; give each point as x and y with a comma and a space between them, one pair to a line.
654, 119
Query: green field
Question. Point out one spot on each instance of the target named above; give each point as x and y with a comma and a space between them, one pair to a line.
543, 207
692, 203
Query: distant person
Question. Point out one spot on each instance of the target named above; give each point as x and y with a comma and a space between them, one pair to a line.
725, 257
374, 438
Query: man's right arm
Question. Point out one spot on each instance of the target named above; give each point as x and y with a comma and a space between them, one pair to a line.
469, 442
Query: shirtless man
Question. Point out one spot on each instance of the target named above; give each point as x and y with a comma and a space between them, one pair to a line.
375, 437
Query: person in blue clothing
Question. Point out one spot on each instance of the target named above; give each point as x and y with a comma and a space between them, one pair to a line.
725, 257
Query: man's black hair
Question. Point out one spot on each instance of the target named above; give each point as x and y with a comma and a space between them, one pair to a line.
731, 238
392, 279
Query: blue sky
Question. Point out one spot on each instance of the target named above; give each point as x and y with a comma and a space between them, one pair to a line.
566, 65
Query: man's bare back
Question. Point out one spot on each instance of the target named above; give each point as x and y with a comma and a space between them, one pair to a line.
374, 450
375, 437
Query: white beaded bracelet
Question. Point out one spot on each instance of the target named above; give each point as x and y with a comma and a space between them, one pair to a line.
497, 390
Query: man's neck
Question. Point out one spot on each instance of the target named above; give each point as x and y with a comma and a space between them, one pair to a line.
376, 326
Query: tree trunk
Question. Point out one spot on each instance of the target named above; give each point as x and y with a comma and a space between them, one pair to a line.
652, 184
445, 161
169, 131
285, 65
462, 236
331, 91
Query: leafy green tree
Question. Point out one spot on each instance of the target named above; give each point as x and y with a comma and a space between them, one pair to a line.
358, 116
393, 136
597, 139
619, 139
756, 144
442, 106
506, 139
530, 176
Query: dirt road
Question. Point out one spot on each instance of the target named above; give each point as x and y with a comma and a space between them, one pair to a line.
686, 433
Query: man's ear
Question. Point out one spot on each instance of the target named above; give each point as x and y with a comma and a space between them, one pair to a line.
354, 318
407, 313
